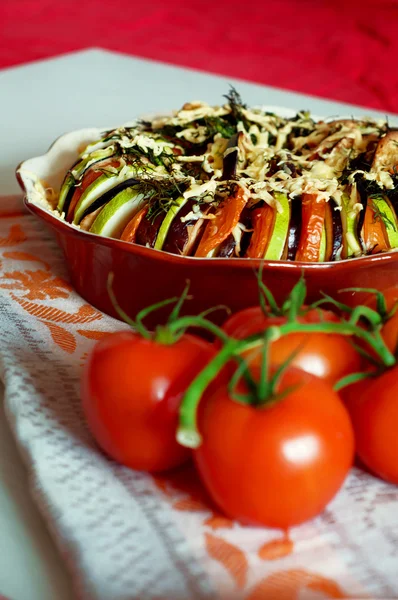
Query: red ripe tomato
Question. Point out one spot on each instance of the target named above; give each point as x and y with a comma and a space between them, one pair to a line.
280, 464
389, 330
373, 407
131, 391
328, 356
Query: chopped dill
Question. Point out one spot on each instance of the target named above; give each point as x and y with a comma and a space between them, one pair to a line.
219, 125
379, 214
161, 194
235, 103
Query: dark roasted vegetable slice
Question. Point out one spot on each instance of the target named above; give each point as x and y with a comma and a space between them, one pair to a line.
177, 237
227, 248
335, 233
294, 228
362, 198
148, 229
183, 235
174, 209
231, 156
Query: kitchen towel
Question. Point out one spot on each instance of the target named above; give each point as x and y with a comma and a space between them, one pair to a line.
131, 536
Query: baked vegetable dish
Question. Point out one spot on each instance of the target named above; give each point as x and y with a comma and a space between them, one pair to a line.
233, 181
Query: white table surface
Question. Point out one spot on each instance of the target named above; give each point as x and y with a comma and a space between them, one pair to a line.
39, 102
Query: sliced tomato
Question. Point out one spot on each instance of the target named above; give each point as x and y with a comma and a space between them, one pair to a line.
225, 220
263, 220
130, 230
313, 214
374, 233
89, 177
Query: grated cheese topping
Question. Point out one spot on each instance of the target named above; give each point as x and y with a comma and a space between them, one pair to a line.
206, 152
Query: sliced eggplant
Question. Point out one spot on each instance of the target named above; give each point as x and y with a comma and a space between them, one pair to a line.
227, 248
231, 156
178, 236
362, 198
294, 234
195, 232
148, 229
336, 231
116, 213
277, 243
167, 221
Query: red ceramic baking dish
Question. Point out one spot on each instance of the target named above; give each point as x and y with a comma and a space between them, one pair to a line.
143, 276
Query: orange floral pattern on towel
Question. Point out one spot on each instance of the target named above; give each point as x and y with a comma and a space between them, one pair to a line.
33, 289
259, 570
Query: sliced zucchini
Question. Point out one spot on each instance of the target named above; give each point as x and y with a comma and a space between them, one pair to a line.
280, 233
100, 186
322, 248
349, 216
115, 215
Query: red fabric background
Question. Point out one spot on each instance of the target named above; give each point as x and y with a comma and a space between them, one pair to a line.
344, 50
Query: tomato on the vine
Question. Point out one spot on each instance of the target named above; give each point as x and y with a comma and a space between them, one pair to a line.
131, 392
373, 408
389, 330
328, 356
280, 463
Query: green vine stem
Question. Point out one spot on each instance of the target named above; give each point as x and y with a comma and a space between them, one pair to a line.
176, 326
188, 434
373, 339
